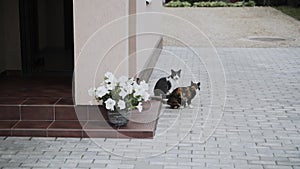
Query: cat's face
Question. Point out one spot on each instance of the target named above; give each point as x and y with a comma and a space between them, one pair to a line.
196, 85
175, 75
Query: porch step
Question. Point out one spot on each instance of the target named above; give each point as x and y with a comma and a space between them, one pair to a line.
59, 117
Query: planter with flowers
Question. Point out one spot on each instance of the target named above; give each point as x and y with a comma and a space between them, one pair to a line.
120, 96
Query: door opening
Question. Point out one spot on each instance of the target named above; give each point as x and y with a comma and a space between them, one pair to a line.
46, 28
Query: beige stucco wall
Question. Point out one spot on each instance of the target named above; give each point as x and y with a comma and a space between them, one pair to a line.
101, 31
99, 47
10, 57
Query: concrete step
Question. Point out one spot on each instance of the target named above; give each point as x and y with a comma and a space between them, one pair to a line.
59, 117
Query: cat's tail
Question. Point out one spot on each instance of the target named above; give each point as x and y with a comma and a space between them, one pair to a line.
173, 103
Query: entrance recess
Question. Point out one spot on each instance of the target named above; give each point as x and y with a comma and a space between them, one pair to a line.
46, 28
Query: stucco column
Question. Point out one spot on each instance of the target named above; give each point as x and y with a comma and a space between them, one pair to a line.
132, 38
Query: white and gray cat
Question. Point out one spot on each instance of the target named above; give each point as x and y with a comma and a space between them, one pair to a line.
164, 86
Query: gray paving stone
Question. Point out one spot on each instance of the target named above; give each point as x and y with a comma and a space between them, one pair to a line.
259, 128
90, 165
15, 168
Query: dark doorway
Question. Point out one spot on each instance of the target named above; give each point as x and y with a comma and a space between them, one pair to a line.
46, 28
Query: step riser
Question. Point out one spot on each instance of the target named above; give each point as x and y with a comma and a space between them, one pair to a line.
10, 113
49, 113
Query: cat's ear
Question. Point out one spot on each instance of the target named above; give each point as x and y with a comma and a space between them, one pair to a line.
179, 72
172, 71
199, 85
192, 83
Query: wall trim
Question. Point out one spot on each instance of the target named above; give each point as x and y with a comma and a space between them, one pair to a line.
147, 71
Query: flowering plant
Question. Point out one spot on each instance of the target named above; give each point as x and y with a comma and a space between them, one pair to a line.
121, 94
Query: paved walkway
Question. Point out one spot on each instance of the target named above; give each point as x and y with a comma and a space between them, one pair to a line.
230, 27
259, 128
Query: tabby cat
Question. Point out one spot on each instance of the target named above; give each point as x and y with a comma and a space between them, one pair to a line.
165, 85
182, 96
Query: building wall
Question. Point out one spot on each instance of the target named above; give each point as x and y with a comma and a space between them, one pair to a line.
102, 44
10, 39
99, 44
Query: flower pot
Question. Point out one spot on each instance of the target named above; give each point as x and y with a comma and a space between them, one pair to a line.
118, 118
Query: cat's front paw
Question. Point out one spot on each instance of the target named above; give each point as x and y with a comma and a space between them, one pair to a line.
191, 106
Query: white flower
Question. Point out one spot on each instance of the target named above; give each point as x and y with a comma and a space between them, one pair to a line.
135, 86
130, 81
124, 88
140, 107
138, 91
109, 78
110, 85
92, 92
121, 104
141, 90
109, 75
123, 93
122, 81
144, 85
129, 89
109, 104
101, 91
145, 96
